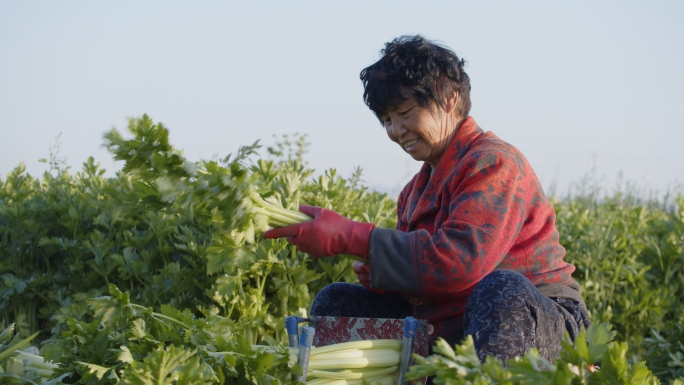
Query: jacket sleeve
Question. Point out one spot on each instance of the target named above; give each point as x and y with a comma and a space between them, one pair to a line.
480, 219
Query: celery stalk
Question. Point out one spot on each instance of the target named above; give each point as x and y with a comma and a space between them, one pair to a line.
20, 345
296, 215
276, 217
352, 374
361, 344
389, 379
279, 217
353, 353
354, 363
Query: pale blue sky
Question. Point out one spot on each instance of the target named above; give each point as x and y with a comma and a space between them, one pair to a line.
573, 84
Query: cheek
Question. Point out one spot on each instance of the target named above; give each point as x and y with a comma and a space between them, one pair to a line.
433, 134
390, 136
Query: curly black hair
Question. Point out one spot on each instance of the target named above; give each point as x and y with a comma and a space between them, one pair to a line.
412, 66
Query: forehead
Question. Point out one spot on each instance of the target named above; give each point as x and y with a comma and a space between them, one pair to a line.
405, 105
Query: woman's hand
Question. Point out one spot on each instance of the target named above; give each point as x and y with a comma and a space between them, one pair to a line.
328, 234
362, 271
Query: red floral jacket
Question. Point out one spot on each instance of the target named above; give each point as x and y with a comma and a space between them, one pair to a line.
482, 209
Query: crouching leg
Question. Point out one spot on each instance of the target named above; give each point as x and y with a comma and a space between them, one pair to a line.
507, 316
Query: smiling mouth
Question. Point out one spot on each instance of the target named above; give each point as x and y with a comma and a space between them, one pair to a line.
410, 144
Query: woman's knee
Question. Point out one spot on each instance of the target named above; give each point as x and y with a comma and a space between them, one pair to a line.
500, 290
503, 277
331, 297
335, 289
507, 316
350, 300
502, 280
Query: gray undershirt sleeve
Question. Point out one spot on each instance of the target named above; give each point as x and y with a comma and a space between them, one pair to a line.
571, 291
390, 261
389, 253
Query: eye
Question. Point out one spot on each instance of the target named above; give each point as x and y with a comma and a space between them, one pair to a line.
405, 114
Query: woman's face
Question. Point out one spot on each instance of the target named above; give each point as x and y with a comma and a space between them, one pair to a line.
424, 133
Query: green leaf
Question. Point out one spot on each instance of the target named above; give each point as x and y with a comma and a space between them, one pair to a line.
137, 330
7, 334
599, 337
126, 356
161, 366
532, 368
15, 366
194, 371
218, 260
96, 370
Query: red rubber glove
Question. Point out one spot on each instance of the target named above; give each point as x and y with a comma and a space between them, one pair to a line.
328, 234
362, 271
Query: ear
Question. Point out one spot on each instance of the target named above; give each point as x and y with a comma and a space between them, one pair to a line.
452, 103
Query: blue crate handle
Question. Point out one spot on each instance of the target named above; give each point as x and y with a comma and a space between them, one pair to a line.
410, 326
305, 342
292, 326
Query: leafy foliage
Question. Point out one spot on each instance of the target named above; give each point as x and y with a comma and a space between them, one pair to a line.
166, 233
575, 366
629, 257
130, 344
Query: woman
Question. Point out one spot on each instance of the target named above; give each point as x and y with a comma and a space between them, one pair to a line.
476, 250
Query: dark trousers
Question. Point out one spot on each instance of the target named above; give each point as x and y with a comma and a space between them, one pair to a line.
505, 314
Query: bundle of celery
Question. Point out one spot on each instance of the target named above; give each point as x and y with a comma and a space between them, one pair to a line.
351, 363
18, 364
267, 214
273, 214
255, 215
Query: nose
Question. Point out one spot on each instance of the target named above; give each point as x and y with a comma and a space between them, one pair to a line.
396, 128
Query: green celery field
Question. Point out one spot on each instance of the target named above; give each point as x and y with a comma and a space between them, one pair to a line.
159, 275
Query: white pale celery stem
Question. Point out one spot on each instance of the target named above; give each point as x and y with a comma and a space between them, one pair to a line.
353, 353
275, 219
362, 344
279, 216
350, 363
389, 379
366, 345
389, 359
36, 361
19, 345
276, 213
352, 374
356, 354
